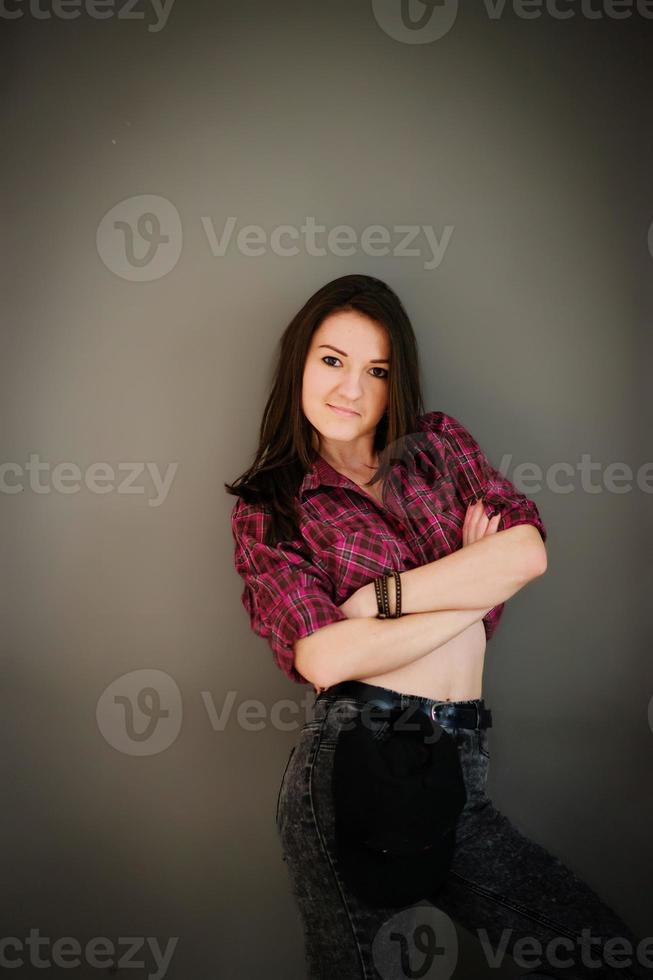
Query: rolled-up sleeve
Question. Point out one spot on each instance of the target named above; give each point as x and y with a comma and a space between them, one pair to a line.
476, 477
285, 595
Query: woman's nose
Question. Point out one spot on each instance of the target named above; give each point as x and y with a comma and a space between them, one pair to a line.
351, 388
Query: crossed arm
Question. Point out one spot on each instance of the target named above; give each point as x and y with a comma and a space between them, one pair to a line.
447, 595
485, 573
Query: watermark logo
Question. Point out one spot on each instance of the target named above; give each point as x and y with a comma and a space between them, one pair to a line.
99, 953
67, 477
416, 451
425, 21
415, 21
562, 952
562, 476
140, 713
95, 9
140, 238
340, 240
420, 941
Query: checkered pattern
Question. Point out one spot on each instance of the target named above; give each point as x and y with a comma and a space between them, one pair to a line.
348, 538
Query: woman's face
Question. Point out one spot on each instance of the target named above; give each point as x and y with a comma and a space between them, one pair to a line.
340, 371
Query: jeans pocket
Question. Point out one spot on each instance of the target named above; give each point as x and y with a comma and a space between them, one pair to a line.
484, 743
281, 785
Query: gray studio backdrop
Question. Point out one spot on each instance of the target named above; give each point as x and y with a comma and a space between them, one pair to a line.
141, 318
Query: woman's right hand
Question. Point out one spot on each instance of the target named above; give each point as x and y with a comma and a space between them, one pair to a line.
477, 525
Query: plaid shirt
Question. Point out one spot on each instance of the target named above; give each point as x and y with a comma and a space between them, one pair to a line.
348, 538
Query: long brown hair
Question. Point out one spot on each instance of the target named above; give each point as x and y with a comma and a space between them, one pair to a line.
285, 452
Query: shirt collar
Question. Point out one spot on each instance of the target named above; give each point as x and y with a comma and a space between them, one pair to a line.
320, 472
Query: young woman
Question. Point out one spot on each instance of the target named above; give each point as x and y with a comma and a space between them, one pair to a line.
352, 480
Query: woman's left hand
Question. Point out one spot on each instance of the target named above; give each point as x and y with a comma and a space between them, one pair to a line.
477, 524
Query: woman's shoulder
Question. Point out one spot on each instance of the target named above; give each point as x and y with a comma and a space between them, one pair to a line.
440, 423
250, 515
443, 431
443, 438
254, 523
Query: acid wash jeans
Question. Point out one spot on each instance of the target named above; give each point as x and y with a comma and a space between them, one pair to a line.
516, 898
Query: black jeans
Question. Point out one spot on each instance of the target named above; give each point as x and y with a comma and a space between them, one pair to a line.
515, 896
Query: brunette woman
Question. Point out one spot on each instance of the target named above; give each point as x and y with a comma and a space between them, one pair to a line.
352, 480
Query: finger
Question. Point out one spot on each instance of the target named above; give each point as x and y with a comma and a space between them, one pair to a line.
471, 515
494, 524
468, 514
475, 518
466, 523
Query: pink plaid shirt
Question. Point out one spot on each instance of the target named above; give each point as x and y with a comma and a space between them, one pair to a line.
348, 538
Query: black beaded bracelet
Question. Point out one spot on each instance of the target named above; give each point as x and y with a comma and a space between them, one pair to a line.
397, 593
386, 597
382, 597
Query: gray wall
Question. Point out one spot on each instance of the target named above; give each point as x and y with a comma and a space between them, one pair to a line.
530, 138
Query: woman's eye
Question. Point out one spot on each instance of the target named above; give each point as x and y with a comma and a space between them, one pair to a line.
332, 357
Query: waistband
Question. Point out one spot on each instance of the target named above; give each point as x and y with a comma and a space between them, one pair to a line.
470, 714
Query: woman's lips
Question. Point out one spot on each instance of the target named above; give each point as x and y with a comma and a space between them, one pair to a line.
343, 411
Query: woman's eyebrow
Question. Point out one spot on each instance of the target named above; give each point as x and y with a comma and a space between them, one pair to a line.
378, 360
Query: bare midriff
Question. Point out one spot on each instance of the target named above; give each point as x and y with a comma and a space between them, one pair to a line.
451, 672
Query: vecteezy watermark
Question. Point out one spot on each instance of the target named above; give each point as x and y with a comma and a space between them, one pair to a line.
563, 476
100, 953
340, 240
425, 21
140, 713
422, 941
415, 21
140, 239
67, 477
562, 952
95, 9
